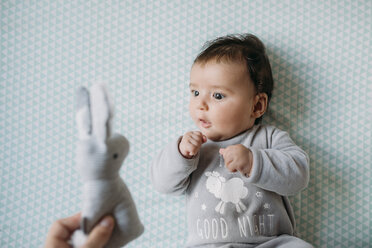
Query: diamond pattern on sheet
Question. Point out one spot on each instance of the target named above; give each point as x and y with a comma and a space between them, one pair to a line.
320, 53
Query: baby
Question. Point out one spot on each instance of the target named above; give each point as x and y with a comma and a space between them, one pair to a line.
235, 172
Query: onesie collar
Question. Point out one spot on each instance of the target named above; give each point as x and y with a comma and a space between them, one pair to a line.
234, 140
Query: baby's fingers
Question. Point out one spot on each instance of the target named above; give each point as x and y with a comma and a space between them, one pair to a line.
197, 139
192, 149
228, 157
222, 151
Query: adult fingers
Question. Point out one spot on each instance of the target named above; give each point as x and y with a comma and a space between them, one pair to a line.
54, 243
63, 228
100, 234
71, 223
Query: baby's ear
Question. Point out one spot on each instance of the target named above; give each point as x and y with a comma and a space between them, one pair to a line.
260, 105
83, 113
102, 112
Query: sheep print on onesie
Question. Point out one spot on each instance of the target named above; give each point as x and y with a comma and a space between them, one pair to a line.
229, 208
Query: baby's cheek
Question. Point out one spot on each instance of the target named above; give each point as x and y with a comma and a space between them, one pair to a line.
192, 113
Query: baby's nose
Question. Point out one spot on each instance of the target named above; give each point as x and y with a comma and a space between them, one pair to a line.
203, 105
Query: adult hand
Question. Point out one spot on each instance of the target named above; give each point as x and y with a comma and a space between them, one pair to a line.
61, 231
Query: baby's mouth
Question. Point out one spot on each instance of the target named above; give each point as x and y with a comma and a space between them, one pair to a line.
204, 123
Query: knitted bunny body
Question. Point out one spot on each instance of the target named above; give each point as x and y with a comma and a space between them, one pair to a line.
99, 158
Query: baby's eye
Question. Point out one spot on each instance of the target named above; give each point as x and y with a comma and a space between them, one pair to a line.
194, 92
218, 96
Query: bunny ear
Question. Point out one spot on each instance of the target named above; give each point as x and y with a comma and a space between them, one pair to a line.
102, 112
83, 114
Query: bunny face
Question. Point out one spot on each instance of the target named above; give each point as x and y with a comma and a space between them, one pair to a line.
118, 146
99, 154
97, 160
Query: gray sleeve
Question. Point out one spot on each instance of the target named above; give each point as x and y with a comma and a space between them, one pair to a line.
283, 168
170, 171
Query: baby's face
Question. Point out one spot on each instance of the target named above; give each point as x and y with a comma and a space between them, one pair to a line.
222, 99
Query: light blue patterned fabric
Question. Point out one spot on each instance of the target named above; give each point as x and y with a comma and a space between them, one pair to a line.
320, 53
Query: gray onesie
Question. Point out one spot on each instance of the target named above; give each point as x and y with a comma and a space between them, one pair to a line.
226, 209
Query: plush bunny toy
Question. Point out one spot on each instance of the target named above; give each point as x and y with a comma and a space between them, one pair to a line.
99, 158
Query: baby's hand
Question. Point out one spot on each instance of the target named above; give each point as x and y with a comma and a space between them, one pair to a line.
238, 158
190, 143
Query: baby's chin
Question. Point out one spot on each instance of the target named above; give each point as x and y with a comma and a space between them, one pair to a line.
215, 136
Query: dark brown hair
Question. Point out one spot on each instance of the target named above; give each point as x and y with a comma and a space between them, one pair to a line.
246, 48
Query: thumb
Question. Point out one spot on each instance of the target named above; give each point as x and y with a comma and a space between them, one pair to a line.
204, 138
100, 234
